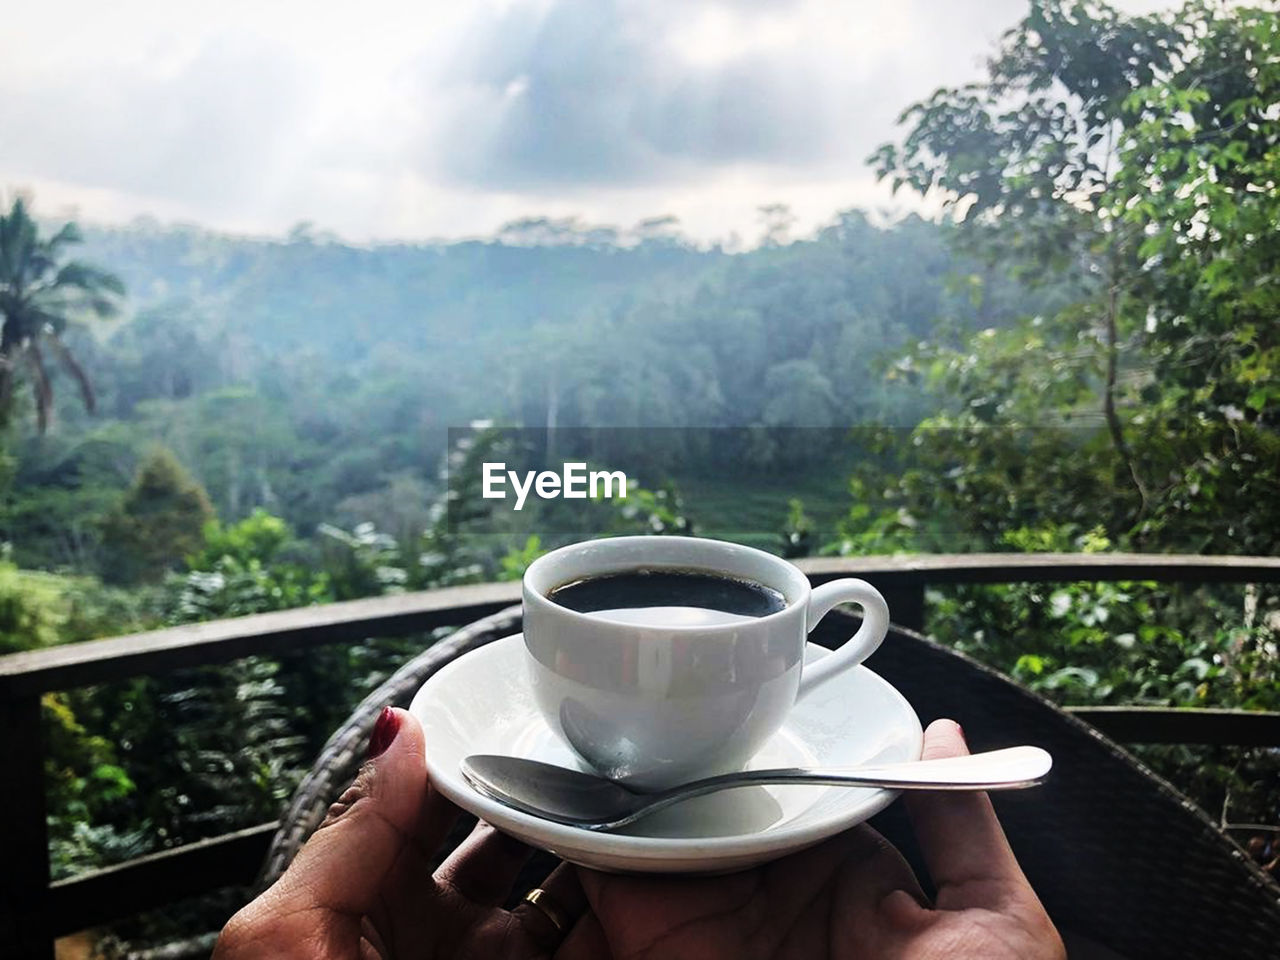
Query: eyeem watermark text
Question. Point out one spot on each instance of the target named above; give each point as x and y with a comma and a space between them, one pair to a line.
573, 483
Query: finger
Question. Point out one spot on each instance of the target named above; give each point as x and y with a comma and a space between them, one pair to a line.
767, 908
409, 881
550, 922
865, 869
563, 884
586, 941
873, 868
645, 908
484, 866
859, 861
342, 867
372, 944
960, 837
436, 819
400, 910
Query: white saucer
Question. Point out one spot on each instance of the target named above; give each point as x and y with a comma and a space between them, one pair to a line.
481, 703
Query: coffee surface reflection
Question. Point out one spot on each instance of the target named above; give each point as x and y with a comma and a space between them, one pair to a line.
669, 597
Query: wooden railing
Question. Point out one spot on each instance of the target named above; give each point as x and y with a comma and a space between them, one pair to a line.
34, 911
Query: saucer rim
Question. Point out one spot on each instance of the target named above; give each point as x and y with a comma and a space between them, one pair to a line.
546, 833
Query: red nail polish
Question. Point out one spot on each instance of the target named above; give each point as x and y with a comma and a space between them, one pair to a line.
384, 732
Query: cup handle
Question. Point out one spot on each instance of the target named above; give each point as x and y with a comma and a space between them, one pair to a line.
875, 624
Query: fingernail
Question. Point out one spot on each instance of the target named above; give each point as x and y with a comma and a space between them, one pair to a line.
384, 732
960, 730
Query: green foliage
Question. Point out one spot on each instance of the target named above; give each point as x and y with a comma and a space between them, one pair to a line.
366, 563
208, 749
867, 531
40, 609
84, 785
316, 381
1131, 162
516, 560
1135, 160
1118, 642
87, 790
457, 545
41, 293
652, 512
159, 521
64, 484
797, 532
245, 568
1196, 195
1137, 643
33, 609
259, 536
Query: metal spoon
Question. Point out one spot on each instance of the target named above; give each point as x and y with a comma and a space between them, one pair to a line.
594, 803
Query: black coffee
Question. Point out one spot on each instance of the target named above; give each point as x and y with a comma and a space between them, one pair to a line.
670, 590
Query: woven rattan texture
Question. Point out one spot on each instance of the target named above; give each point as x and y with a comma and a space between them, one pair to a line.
1114, 852
340, 759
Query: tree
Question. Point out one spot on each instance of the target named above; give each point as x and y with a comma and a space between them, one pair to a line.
159, 521
40, 293
778, 221
1198, 193
1134, 162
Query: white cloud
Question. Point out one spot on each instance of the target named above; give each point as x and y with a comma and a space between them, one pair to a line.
406, 118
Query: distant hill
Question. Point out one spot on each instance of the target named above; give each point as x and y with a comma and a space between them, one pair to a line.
307, 293
318, 379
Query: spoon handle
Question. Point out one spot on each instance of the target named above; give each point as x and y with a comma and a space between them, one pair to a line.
1012, 768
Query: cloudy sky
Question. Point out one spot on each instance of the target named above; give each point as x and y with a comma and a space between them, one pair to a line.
414, 119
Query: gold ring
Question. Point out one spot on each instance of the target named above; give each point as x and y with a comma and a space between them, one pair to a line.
547, 906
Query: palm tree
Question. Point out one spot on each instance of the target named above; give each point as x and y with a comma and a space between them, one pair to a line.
40, 292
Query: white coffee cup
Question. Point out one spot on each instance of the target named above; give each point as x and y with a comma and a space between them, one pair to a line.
653, 704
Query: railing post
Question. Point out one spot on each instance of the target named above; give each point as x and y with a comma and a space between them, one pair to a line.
25, 933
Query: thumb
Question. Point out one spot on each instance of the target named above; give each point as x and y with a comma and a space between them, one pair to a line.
960, 837
342, 866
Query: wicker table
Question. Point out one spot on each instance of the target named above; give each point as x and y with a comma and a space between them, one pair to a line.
1124, 863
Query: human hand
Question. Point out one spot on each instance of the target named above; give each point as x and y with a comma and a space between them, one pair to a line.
852, 896
362, 887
